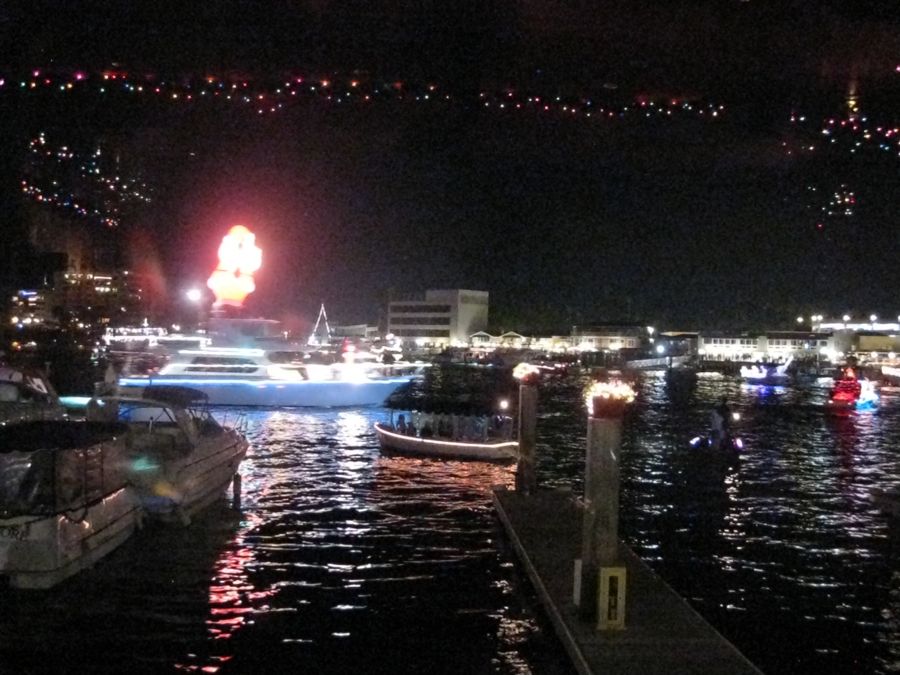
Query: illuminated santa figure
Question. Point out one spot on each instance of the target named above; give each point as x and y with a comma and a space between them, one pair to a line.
239, 258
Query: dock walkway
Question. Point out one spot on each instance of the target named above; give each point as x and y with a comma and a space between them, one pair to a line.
663, 633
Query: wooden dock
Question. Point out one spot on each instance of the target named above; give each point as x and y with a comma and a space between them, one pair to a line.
663, 633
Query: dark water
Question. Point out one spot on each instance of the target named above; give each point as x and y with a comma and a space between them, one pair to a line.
342, 560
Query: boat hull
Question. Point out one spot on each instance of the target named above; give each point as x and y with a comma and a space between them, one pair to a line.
40, 552
274, 393
497, 451
180, 489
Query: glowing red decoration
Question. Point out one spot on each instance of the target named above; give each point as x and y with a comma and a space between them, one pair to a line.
239, 258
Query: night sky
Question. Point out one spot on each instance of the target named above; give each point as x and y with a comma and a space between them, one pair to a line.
679, 220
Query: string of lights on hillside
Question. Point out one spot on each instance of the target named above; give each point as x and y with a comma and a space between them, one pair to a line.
833, 143
79, 183
265, 98
853, 134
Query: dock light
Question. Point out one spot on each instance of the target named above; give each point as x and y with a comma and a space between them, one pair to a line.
846, 318
608, 399
660, 349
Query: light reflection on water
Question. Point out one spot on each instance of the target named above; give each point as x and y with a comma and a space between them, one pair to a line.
783, 550
340, 560
344, 560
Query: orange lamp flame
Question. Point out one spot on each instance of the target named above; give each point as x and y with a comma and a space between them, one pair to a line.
525, 371
239, 258
614, 395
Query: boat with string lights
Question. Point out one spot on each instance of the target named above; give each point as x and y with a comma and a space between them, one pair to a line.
769, 374
253, 362
488, 449
244, 376
850, 393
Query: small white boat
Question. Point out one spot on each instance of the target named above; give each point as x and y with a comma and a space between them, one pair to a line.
181, 459
65, 501
27, 395
490, 449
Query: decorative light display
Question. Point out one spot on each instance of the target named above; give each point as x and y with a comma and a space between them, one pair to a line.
265, 96
852, 134
85, 184
608, 398
239, 258
850, 144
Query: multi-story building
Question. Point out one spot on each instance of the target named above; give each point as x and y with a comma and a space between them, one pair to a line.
100, 299
439, 318
31, 307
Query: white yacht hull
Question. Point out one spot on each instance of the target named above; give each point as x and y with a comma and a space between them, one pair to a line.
275, 393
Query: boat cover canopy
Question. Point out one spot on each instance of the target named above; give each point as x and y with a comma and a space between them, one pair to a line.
50, 466
56, 435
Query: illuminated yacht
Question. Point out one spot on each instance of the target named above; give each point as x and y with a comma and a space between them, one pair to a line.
251, 362
767, 373
259, 367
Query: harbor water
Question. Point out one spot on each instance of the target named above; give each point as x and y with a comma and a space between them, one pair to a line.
340, 559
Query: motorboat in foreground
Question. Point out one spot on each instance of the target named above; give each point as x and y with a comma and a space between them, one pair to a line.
65, 501
27, 395
450, 437
181, 459
850, 393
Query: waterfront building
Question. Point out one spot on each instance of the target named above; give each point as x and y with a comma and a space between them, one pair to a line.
360, 331
781, 345
439, 318
609, 337
764, 346
871, 346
